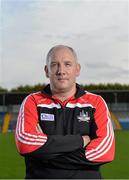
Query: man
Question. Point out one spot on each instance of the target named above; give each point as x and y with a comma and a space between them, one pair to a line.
64, 132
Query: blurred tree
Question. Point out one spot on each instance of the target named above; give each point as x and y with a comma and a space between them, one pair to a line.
88, 87
3, 90
28, 88
108, 86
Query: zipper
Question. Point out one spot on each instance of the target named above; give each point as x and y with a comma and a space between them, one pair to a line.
64, 120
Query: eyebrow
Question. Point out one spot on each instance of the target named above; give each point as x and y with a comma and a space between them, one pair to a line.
54, 61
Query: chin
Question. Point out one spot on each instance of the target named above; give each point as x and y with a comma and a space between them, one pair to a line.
61, 86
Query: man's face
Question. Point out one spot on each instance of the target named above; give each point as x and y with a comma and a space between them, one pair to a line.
62, 70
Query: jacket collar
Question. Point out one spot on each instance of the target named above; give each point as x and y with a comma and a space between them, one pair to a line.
79, 91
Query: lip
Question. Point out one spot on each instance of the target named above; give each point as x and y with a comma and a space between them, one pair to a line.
62, 79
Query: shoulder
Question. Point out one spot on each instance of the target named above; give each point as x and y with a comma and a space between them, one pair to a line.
34, 98
89, 95
93, 98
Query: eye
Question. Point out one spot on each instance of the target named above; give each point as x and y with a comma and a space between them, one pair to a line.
68, 64
53, 64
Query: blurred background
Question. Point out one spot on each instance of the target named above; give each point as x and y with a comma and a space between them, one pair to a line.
98, 30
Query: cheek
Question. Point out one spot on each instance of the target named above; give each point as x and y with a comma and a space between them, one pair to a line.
53, 71
77, 74
73, 73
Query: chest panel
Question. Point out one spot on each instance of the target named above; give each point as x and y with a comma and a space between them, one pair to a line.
62, 121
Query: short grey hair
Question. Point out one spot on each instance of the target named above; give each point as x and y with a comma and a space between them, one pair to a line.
53, 49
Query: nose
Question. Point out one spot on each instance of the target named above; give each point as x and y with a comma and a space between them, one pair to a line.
60, 70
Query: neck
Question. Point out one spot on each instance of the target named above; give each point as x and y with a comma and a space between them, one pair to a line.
63, 94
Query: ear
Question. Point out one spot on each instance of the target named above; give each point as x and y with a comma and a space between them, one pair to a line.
46, 71
78, 68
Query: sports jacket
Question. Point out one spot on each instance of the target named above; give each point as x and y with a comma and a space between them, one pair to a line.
58, 152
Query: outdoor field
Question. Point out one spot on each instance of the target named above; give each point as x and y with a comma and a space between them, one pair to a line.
12, 165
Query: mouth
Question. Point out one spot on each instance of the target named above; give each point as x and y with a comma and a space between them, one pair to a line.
60, 79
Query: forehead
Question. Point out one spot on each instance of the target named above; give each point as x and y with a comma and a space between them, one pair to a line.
62, 54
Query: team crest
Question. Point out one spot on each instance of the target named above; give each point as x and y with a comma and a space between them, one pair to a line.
83, 117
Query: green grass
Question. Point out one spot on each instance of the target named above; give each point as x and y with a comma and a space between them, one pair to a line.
119, 168
12, 165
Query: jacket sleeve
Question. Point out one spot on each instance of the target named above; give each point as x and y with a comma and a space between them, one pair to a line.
102, 148
30, 141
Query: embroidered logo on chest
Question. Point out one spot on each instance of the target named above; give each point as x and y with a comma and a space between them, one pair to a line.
83, 116
47, 117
